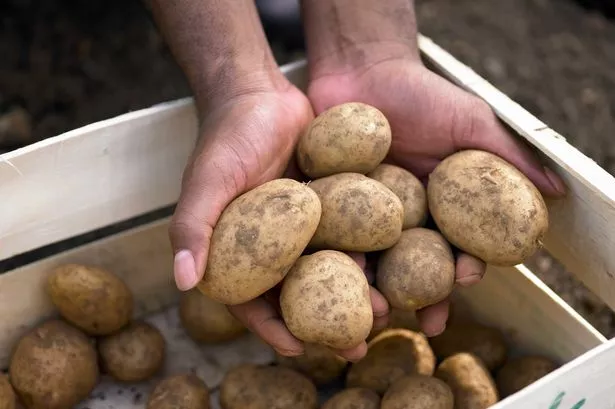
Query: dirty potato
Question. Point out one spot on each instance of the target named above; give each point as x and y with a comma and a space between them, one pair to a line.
351, 137
418, 392
353, 398
486, 207
8, 400
54, 366
267, 387
408, 188
325, 300
134, 354
318, 363
521, 372
182, 391
91, 298
208, 321
390, 355
358, 214
258, 238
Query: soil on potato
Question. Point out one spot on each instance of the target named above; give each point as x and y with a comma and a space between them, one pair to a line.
69, 63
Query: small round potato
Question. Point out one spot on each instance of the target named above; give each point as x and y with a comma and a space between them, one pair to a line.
258, 237
419, 270
418, 392
353, 398
521, 372
351, 137
208, 321
91, 298
267, 387
470, 381
390, 355
408, 188
325, 300
8, 400
134, 354
318, 363
358, 214
487, 208
182, 391
54, 366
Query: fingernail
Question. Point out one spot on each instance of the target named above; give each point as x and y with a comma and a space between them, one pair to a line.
184, 269
469, 280
288, 352
555, 181
431, 332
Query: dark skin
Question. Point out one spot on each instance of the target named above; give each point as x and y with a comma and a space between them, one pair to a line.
251, 117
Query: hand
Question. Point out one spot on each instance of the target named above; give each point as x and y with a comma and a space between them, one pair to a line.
430, 119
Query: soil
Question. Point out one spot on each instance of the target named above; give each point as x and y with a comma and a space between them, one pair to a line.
68, 63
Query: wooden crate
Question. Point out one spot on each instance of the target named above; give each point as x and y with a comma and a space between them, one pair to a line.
131, 165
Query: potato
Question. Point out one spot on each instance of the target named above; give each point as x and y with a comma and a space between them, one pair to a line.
351, 137
258, 237
485, 342
8, 400
418, 392
206, 320
353, 398
470, 381
325, 300
521, 372
358, 214
318, 363
134, 354
266, 387
53, 366
419, 270
390, 355
91, 298
408, 188
181, 391
486, 207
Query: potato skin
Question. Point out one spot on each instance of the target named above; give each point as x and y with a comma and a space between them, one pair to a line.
8, 399
134, 354
258, 238
353, 398
350, 137
182, 391
358, 214
521, 372
418, 392
469, 379
206, 320
325, 300
266, 387
318, 363
485, 342
93, 299
419, 270
408, 188
54, 366
390, 355
486, 207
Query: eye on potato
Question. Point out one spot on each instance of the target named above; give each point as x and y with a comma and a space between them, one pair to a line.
486, 207
521, 372
350, 137
258, 237
8, 400
418, 392
182, 391
93, 299
318, 363
353, 398
53, 366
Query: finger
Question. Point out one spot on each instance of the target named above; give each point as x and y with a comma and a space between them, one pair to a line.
380, 307
432, 319
353, 354
469, 270
358, 258
261, 318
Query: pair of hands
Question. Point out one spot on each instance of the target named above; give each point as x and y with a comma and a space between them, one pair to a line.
250, 138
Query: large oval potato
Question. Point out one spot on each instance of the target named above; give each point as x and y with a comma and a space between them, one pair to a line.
181, 391
258, 237
469, 379
419, 270
521, 372
390, 355
8, 399
418, 392
353, 398
351, 137
486, 207
358, 214
408, 188
91, 298
266, 387
54, 366
206, 320
318, 362
325, 300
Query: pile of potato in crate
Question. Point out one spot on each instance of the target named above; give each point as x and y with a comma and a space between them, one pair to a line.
298, 239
